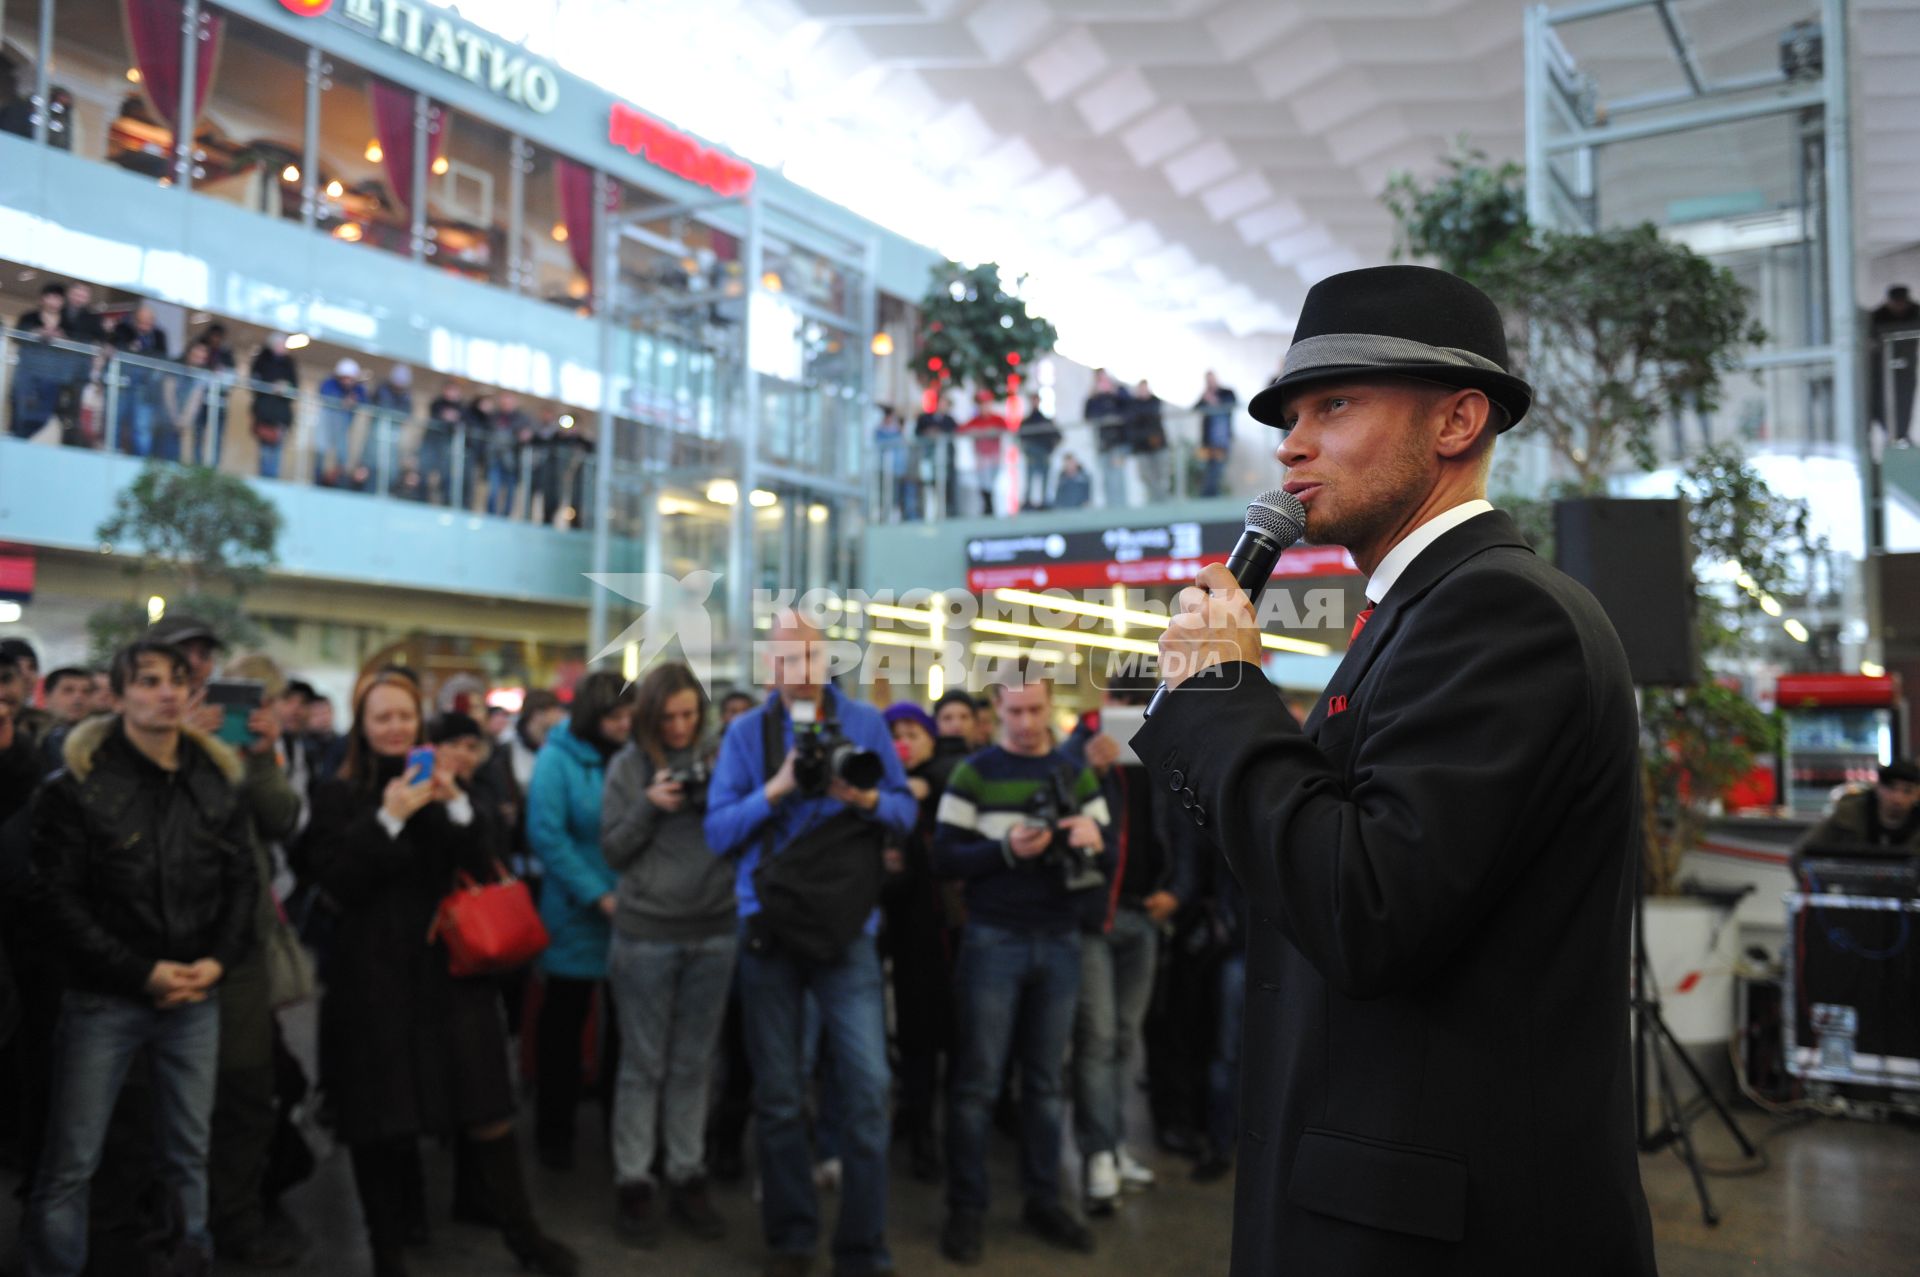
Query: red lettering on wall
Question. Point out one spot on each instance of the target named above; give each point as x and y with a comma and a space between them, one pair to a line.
638, 133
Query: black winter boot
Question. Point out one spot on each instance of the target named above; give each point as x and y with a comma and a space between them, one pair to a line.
379, 1174
497, 1165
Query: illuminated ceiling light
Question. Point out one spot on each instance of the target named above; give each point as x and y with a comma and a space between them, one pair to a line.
772, 282
882, 343
156, 608
723, 492
1873, 669
1133, 616
936, 683
9, 611
678, 505
373, 152
1770, 605
1080, 637
349, 231
816, 514
335, 190
566, 421
559, 232
440, 166
291, 173
761, 499
890, 639
133, 75
893, 612
1796, 631
299, 341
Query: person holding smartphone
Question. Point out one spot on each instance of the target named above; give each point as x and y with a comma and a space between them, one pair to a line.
406, 1048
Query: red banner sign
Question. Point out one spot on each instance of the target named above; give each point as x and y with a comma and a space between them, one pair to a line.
1302, 561
640, 134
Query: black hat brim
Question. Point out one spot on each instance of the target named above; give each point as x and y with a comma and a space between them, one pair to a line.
1510, 392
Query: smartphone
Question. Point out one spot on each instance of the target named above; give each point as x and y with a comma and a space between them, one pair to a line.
420, 763
237, 699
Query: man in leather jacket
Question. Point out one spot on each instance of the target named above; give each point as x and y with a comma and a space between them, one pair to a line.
147, 889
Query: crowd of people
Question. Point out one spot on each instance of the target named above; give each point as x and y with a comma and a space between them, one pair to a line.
728, 896
367, 435
922, 467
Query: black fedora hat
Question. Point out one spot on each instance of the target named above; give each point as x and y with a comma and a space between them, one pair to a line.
1407, 321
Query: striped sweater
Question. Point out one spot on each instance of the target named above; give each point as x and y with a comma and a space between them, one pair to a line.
987, 797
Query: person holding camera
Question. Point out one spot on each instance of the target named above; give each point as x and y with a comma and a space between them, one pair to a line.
806, 789
1022, 824
671, 960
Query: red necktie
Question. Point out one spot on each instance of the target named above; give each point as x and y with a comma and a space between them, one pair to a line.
1359, 623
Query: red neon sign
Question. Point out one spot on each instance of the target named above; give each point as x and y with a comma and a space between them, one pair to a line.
307, 8
640, 134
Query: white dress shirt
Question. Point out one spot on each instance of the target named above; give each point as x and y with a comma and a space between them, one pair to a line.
1401, 557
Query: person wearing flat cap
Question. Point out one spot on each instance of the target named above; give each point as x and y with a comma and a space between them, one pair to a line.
1439, 863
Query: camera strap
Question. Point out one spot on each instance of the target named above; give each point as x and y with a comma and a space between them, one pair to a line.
773, 752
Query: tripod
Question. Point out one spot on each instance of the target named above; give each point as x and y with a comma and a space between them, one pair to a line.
1650, 1031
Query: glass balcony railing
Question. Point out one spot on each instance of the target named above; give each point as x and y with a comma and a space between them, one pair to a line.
995, 472
80, 395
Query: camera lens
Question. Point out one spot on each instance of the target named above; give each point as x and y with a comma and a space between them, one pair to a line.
858, 767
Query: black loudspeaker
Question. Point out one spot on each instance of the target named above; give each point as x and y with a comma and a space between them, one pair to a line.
1637, 559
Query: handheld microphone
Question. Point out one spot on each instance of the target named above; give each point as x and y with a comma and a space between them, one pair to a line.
1275, 520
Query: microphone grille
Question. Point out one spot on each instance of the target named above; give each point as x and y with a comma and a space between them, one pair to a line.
1278, 513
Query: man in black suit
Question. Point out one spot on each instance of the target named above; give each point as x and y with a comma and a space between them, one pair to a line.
1439, 865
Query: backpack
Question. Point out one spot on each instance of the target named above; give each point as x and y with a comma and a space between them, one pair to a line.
816, 892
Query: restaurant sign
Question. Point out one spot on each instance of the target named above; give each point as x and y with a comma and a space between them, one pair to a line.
443, 40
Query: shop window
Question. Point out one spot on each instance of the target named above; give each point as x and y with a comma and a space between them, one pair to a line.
115, 80
557, 252
20, 72
470, 199
250, 148
363, 193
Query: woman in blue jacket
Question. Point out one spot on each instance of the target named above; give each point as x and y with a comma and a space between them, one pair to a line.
576, 898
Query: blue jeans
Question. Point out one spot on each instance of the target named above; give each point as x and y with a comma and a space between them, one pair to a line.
1010, 985
1116, 982
1114, 463
1223, 1074
270, 460
773, 985
330, 458
671, 997
95, 1044
501, 479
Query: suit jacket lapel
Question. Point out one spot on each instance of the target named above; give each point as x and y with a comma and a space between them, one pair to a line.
1455, 547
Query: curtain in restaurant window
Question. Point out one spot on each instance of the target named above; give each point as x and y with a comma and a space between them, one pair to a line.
393, 125
153, 33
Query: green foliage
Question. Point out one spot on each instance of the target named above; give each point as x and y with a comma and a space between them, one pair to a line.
973, 331
1465, 220
210, 528
209, 533
1696, 743
1738, 519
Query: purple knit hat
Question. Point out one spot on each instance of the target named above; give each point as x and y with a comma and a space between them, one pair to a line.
913, 714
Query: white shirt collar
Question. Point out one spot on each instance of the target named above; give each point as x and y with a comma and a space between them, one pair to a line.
1401, 557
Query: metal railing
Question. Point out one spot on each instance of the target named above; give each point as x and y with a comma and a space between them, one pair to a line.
82, 395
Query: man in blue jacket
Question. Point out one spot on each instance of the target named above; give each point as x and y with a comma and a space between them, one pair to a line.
751, 814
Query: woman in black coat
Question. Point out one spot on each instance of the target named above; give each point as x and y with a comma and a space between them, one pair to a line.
406, 1048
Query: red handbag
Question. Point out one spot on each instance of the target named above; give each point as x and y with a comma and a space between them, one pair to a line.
488, 927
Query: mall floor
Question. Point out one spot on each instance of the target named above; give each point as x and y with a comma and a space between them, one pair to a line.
1838, 1198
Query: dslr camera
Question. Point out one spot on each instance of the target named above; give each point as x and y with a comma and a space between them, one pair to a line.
1052, 803
822, 752
692, 780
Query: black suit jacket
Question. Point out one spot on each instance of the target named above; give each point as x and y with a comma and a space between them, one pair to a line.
1435, 1077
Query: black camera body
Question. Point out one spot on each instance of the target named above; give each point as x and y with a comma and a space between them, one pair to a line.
1051, 804
822, 752
692, 780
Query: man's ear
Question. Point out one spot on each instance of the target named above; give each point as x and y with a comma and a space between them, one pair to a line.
1466, 423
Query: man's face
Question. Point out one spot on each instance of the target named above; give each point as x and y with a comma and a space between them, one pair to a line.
101, 699
68, 699
1358, 458
1897, 799
320, 716
955, 719
199, 654
80, 296
540, 724
143, 320
798, 661
155, 698
292, 712
1025, 719
986, 725
13, 688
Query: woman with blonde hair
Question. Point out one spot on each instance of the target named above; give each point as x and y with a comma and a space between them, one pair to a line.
408, 1049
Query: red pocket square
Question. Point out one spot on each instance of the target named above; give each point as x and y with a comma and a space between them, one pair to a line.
1336, 705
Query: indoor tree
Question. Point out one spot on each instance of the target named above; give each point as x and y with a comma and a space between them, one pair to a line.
973, 331
210, 533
